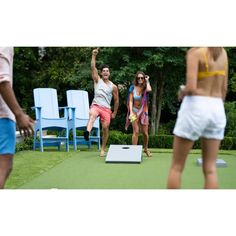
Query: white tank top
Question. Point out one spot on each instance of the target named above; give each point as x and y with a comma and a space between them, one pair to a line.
103, 93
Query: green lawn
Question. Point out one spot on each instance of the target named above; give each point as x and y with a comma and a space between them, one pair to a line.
84, 169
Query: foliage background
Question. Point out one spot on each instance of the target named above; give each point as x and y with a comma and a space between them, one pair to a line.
65, 68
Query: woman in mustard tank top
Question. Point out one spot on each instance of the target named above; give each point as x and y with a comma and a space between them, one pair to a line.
202, 113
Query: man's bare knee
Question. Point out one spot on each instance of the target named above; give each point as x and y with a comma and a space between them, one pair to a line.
105, 126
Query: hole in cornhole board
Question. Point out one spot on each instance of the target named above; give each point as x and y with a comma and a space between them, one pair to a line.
124, 154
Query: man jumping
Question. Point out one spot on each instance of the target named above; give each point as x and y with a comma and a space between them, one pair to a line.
104, 90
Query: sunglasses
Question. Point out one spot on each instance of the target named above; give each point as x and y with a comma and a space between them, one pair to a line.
140, 78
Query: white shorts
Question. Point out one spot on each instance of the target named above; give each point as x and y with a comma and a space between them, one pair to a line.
201, 116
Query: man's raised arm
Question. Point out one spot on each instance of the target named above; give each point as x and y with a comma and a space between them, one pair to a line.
94, 70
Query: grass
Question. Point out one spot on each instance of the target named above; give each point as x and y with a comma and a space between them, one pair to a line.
30, 164
86, 170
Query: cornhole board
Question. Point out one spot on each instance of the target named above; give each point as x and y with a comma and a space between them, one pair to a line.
219, 162
124, 154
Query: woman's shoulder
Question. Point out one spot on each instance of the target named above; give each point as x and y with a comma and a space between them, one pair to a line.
225, 52
195, 52
131, 88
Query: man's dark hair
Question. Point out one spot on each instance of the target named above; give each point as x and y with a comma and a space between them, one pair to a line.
103, 66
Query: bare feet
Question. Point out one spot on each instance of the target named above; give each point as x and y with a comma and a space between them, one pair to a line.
148, 153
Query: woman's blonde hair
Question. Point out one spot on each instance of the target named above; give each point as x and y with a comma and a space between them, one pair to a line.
215, 52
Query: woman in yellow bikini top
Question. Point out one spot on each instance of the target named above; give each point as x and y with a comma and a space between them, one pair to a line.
207, 73
201, 115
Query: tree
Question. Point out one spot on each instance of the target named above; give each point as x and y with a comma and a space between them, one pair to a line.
67, 68
25, 73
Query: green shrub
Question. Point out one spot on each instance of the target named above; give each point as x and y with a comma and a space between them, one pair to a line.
166, 128
26, 144
230, 109
155, 141
117, 137
160, 141
197, 144
228, 143
163, 141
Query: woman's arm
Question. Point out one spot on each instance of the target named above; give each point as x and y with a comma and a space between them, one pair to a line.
191, 74
131, 103
148, 88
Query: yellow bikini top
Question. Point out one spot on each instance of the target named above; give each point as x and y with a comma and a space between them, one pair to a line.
205, 74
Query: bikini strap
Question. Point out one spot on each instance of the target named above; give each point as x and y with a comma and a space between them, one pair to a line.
205, 57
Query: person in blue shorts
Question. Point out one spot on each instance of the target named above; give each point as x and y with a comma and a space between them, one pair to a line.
10, 114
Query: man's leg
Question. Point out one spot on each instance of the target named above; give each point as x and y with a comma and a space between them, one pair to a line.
105, 115
93, 114
6, 163
105, 135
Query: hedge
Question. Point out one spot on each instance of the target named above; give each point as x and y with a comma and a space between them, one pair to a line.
162, 141
155, 141
26, 144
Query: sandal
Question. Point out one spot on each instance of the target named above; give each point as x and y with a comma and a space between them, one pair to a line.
148, 153
103, 154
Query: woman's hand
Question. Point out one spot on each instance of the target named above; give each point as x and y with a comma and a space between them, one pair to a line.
132, 117
147, 78
181, 93
131, 114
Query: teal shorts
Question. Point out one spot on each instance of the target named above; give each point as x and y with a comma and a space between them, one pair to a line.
7, 136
